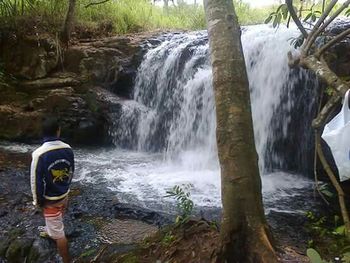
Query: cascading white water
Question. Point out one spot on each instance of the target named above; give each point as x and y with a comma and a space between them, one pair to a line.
174, 83
171, 121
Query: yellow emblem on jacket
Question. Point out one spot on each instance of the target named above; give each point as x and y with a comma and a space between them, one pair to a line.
59, 175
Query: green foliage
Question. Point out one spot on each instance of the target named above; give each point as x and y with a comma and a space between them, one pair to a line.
313, 15
122, 16
314, 256
346, 257
278, 15
347, 12
250, 16
308, 11
328, 236
114, 17
168, 238
324, 189
316, 224
184, 202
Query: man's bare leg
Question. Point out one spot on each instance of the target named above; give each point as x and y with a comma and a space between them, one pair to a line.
62, 247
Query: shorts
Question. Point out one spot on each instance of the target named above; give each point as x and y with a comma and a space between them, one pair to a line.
53, 215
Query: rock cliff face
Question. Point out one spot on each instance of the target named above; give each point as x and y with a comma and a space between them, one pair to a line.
44, 79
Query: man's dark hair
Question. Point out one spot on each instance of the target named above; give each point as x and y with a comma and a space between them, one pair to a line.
50, 126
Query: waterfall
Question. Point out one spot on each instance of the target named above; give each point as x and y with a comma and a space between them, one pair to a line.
173, 88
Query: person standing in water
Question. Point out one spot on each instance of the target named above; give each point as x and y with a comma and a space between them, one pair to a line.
51, 175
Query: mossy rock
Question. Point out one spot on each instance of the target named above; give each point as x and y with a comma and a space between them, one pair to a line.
4, 244
18, 250
41, 251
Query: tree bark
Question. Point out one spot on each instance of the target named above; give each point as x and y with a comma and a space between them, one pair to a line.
324, 73
68, 23
245, 235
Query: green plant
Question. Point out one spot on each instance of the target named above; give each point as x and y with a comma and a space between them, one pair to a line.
329, 235
313, 15
277, 16
168, 238
316, 224
347, 13
117, 17
184, 202
314, 256
325, 188
306, 10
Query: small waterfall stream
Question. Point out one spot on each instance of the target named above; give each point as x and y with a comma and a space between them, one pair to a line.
173, 88
172, 118
165, 136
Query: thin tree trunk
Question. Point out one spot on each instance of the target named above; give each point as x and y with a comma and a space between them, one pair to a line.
68, 23
245, 236
332, 177
166, 5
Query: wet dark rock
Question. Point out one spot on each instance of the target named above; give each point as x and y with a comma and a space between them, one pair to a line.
67, 88
338, 26
133, 212
49, 83
29, 57
41, 250
289, 228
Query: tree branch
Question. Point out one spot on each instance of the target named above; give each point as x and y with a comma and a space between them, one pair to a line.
321, 20
96, 3
311, 41
293, 62
319, 121
334, 41
323, 5
321, 69
295, 18
335, 183
317, 186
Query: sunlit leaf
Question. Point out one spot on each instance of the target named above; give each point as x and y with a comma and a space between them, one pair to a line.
313, 17
307, 17
313, 256
268, 20
340, 230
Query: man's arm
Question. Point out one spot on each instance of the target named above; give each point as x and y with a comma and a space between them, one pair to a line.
37, 180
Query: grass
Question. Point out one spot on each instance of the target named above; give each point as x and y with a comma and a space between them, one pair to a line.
113, 17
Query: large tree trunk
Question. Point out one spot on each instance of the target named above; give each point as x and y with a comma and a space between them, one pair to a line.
245, 236
68, 23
